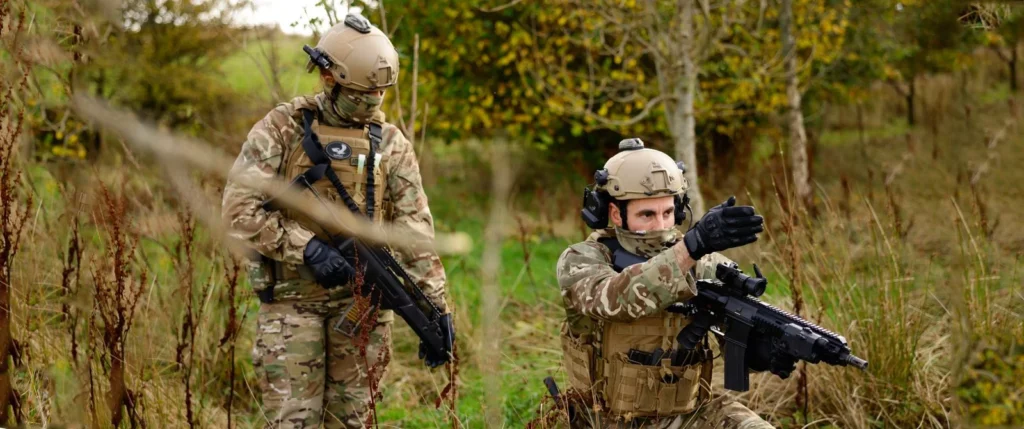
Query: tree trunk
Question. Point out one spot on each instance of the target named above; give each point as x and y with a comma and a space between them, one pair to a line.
1013, 69
860, 123
797, 134
679, 114
910, 102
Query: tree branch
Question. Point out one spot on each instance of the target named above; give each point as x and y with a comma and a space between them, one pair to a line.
415, 84
1002, 55
398, 93
896, 85
651, 104
499, 8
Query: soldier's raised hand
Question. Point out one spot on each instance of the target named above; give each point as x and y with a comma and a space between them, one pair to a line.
723, 227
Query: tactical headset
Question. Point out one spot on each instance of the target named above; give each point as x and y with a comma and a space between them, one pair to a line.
596, 200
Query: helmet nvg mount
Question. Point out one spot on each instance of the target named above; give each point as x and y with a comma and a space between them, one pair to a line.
634, 173
358, 55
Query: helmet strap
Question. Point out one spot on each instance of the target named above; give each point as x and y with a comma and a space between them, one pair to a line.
333, 96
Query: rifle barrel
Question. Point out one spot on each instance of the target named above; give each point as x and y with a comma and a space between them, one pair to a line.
855, 361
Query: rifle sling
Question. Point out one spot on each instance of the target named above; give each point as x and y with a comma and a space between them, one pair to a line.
322, 168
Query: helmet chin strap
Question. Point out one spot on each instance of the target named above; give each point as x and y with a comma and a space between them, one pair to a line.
332, 96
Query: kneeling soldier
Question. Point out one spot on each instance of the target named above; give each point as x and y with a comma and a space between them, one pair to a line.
619, 343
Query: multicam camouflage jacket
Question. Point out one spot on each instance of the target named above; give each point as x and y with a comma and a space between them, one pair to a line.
592, 291
272, 139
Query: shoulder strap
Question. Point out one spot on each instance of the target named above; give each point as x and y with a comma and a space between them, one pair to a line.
621, 258
322, 164
376, 134
310, 142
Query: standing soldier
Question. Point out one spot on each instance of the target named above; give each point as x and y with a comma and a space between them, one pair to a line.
619, 343
310, 371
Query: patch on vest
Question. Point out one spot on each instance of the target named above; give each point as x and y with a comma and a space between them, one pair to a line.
338, 150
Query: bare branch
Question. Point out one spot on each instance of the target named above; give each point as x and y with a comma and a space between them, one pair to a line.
899, 88
411, 132
734, 48
275, 95
644, 113
398, 24
760, 16
423, 133
499, 8
1002, 55
398, 93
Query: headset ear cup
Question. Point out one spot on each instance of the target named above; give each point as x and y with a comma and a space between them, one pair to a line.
682, 201
595, 208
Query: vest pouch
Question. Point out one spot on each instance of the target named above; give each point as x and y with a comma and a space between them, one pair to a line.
686, 388
632, 390
635, 390
578, 359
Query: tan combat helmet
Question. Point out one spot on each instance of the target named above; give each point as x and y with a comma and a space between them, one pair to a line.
357, 54
636, 172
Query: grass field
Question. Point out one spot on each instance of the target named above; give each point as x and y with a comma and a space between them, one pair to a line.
249, 70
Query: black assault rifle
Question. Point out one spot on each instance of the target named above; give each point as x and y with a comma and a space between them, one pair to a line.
388, 286
756, 334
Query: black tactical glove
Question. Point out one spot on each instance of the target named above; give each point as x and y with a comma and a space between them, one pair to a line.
429, 358
328, 264
723, 227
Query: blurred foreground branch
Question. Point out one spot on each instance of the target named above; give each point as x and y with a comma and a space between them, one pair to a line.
490, 310
171, 149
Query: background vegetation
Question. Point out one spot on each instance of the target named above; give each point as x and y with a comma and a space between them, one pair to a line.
119, 305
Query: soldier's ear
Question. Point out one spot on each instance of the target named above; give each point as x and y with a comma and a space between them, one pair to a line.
327, 78
615, 215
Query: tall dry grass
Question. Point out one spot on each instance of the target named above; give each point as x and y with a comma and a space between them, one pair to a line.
919, 285
917, 269
15, 205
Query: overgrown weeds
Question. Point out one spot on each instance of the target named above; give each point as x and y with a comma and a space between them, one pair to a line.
14, 206
118, 283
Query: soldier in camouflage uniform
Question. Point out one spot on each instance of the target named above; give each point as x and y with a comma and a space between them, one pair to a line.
617, 284
310, 373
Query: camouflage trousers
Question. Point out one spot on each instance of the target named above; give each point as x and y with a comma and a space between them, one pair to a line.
722, 412
311, 375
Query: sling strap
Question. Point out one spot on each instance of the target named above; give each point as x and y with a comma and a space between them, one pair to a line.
322, 164
322, 168
621, 258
